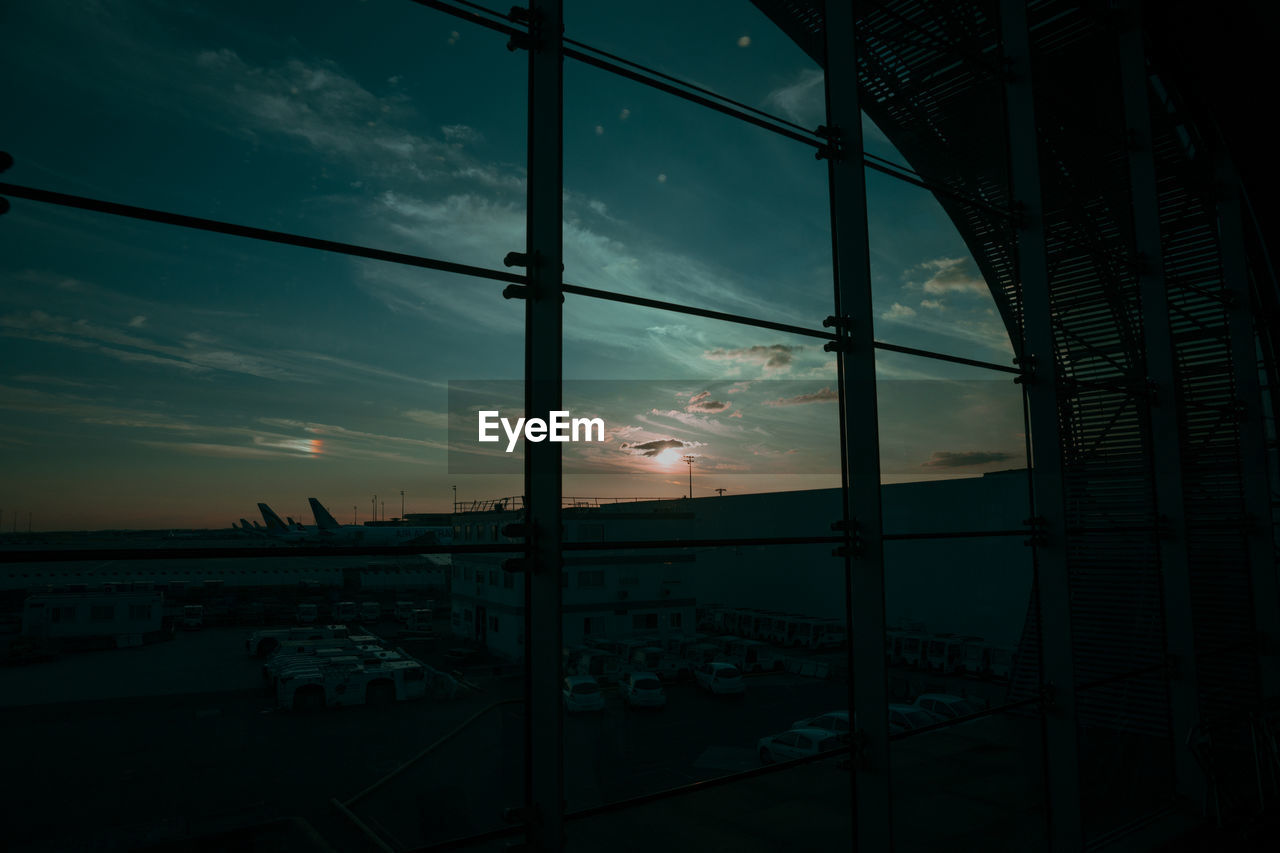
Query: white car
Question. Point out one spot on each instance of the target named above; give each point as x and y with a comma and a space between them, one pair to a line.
797, 743
944, 706
905, 718
641, 690
832, 721
720, 679
581, 693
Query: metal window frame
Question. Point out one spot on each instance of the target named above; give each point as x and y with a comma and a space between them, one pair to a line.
1062, 771
1163, 406
862, 524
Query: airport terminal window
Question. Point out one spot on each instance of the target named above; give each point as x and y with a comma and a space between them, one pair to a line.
697, 244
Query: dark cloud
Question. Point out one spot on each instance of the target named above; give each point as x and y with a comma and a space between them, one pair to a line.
965, 458
653, 448
703, 403
825, 395
774, 356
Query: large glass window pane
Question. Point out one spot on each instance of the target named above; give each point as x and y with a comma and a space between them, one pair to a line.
808, 804
327, 119
168, 379
705, 657
962, 641
756, 410
727, 46
683, 204
141, 421
941, 421
928, 290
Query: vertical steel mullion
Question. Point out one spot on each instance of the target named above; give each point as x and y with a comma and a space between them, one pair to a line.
1252, 431
860, 438
544, 312
1166, 453
1058, 670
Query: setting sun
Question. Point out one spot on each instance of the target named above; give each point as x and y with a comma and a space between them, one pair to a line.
668, 457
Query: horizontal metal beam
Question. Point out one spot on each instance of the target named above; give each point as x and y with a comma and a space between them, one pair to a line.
216, 226
285, 238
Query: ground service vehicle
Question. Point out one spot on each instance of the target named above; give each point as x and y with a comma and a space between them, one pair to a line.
328, 685
262, 643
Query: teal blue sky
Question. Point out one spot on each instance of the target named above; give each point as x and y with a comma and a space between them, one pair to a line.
159, 377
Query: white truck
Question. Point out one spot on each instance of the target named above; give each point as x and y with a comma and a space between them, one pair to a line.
753, 656
266, 641
664, 664
329, 686
420, 622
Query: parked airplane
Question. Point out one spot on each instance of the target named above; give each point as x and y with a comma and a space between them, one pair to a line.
327, 530
389, 534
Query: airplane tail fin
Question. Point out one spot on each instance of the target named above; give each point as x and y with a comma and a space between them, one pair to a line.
274, 524
324, 521
245, 525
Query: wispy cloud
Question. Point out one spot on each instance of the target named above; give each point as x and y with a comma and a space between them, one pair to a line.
966, 458
774, 357
950, 275
898, 311
825, 395
693, 423
803, 100
702, 402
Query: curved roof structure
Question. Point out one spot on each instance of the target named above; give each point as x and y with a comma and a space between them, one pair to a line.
1118, 152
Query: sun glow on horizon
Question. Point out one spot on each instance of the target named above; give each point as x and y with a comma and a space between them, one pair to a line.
667, 457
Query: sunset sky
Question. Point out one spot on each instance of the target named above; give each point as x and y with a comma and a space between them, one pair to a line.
158, 377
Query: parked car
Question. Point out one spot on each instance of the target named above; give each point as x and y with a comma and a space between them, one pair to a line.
720, 678
797, 743
944, 706
641, 690
832, 721
905, 718
581, 693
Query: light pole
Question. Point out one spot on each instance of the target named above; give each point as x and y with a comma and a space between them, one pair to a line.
402, 504
689, 460
455, 499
